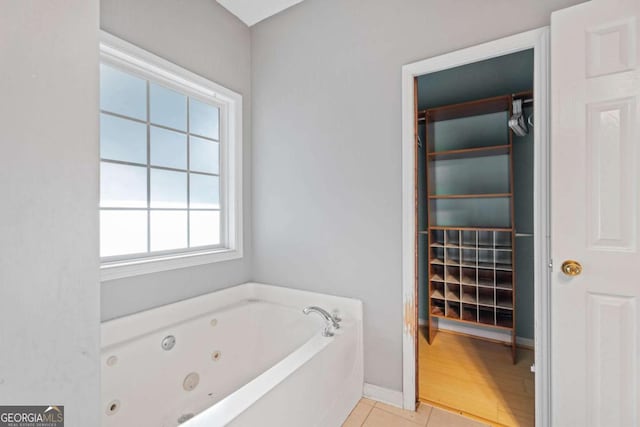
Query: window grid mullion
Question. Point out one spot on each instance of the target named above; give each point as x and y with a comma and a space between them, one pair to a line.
188, 175
148, 168
222, 189
166, 168
114, 208
133, 119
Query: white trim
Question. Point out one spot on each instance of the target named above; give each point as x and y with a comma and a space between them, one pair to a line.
538, 40
130, 57
409, 298
141, 266
542, 229
490, 334
146, 63
381, 394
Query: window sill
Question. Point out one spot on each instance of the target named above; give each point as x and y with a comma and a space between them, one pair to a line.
123, 269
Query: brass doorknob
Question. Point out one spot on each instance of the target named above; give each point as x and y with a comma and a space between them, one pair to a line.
571, 267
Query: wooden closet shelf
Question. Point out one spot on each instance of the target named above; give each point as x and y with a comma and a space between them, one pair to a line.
437, 294
506, 305
470, 196
481, 323
523, 94
451, 279
469, 298
469, 281
452, 296
437, 312
471, 108
451, 227
485, 247
492, 150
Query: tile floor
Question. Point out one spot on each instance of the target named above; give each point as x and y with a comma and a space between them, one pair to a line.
369, 413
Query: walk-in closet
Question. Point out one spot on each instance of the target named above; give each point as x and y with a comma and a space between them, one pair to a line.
475, 238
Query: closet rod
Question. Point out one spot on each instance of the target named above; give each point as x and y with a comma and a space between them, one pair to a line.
526, 97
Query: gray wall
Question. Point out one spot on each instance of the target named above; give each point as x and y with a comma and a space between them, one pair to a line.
327, 144
523, 154
49, 290
201, 36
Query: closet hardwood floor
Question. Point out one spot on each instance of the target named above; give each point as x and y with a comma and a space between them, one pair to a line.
476, 378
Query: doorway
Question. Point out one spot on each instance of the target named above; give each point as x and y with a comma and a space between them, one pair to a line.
475, 239
422, 235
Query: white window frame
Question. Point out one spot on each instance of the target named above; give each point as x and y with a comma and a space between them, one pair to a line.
130, 58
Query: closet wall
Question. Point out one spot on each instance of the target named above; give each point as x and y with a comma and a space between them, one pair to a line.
499, 76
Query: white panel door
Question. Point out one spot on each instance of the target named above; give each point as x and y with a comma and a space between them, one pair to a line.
595, 138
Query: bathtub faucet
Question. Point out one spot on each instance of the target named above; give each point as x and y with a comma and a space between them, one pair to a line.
332, 321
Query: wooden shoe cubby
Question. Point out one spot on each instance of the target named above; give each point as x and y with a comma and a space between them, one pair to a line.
472, 279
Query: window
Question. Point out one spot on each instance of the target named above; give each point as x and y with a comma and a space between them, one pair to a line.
170, 165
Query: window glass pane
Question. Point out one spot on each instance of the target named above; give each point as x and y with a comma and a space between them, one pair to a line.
168, 148
168, 230
203, 119
160, 154
204, 155
122, 139
122, 93
167, 108
168, 189
204, 228
123, 232
204, 191
123, 186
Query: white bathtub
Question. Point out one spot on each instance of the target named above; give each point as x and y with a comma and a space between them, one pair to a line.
256, 359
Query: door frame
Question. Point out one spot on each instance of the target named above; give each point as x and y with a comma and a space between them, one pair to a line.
537, 39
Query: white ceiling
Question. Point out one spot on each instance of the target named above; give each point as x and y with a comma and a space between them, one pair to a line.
254, 11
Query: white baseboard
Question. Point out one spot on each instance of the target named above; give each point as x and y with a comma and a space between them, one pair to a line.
480, 332
384, 395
